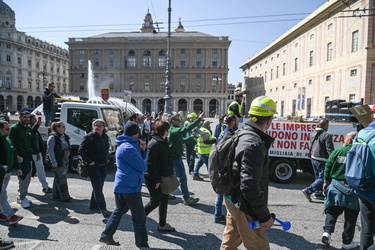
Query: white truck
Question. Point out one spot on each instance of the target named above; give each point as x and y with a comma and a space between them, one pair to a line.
290, 149
78, 117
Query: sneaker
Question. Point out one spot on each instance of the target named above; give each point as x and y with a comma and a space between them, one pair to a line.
19, 201
14, 219
166, 228
3, 217
106, 213
319, 197
191, 201
109, 242
352, 245
47, 190
326, 238
69, 199
6, 244
25, 203
307, 195
197, 178
221, 219
172, 197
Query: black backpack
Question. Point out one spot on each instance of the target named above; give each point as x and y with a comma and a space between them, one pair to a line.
220, 162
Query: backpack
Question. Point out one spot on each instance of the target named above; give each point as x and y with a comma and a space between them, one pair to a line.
359, 165
220, 162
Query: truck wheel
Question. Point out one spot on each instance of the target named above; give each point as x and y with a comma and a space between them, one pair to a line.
282, 171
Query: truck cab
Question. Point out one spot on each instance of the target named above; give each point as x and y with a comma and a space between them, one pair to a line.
78, 117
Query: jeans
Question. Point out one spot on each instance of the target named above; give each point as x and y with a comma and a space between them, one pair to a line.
202, 159
317, 185
367, 207
157, 199
190, 156
124, 202
4, 204
60, 182
97, 176
40, 170
218, 206
179, 169
349, 225
47, 116
25, 178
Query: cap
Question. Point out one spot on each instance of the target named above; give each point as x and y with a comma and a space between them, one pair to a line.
193, 115
263, 106
131, 128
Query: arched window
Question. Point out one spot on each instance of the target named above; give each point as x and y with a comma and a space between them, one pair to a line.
146, 58
131, 61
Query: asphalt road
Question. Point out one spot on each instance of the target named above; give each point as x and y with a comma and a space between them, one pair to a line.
50, 224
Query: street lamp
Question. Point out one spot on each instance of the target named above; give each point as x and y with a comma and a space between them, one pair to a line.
43, 76
217, 79
168, 97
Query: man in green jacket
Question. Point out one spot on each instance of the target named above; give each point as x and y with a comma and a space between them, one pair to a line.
175, 140
21, 136
336, 201
7, 213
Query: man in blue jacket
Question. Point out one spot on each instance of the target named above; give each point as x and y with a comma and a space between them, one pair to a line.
49, 95
130, 160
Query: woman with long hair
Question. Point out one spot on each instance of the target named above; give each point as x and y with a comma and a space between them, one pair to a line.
58, 151
160, 163
94, 151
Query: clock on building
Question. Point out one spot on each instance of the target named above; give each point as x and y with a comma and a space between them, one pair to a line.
147, 23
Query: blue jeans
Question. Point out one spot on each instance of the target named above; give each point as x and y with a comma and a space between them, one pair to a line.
367, 207
179, 169
47, 116
190, 157
124, 202
97, 176
218, 206
202, 159
317, 186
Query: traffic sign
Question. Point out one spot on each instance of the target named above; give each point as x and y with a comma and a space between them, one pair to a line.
105, 94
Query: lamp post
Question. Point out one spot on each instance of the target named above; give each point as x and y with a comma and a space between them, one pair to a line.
43, 75
168, 97
217, 79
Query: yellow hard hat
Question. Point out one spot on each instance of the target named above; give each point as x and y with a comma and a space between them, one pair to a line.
263, 106
193, 115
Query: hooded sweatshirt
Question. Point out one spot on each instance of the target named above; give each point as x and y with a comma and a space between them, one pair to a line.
131, 164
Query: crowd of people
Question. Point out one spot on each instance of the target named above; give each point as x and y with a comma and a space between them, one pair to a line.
148, 151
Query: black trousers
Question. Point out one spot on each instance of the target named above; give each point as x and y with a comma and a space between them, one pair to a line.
157, 199
350, 217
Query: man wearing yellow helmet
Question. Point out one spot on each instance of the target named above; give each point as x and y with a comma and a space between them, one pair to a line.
190, 142
248, 200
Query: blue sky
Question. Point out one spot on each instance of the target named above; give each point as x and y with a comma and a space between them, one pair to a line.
251, 25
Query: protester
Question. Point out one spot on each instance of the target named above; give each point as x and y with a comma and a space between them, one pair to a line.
367, 198
218, 127
94, 151
12, 163
160, 116
204, 147
336, 201
249, 199
21, 136
49, 95
58, 151
4, 244
190, 143
39, 153
130, 160
321, 146
147, 128
232, 121
236, 106
175, 141
160, 163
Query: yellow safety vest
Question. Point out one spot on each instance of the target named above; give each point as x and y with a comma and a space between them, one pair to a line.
239, 108
202, 148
